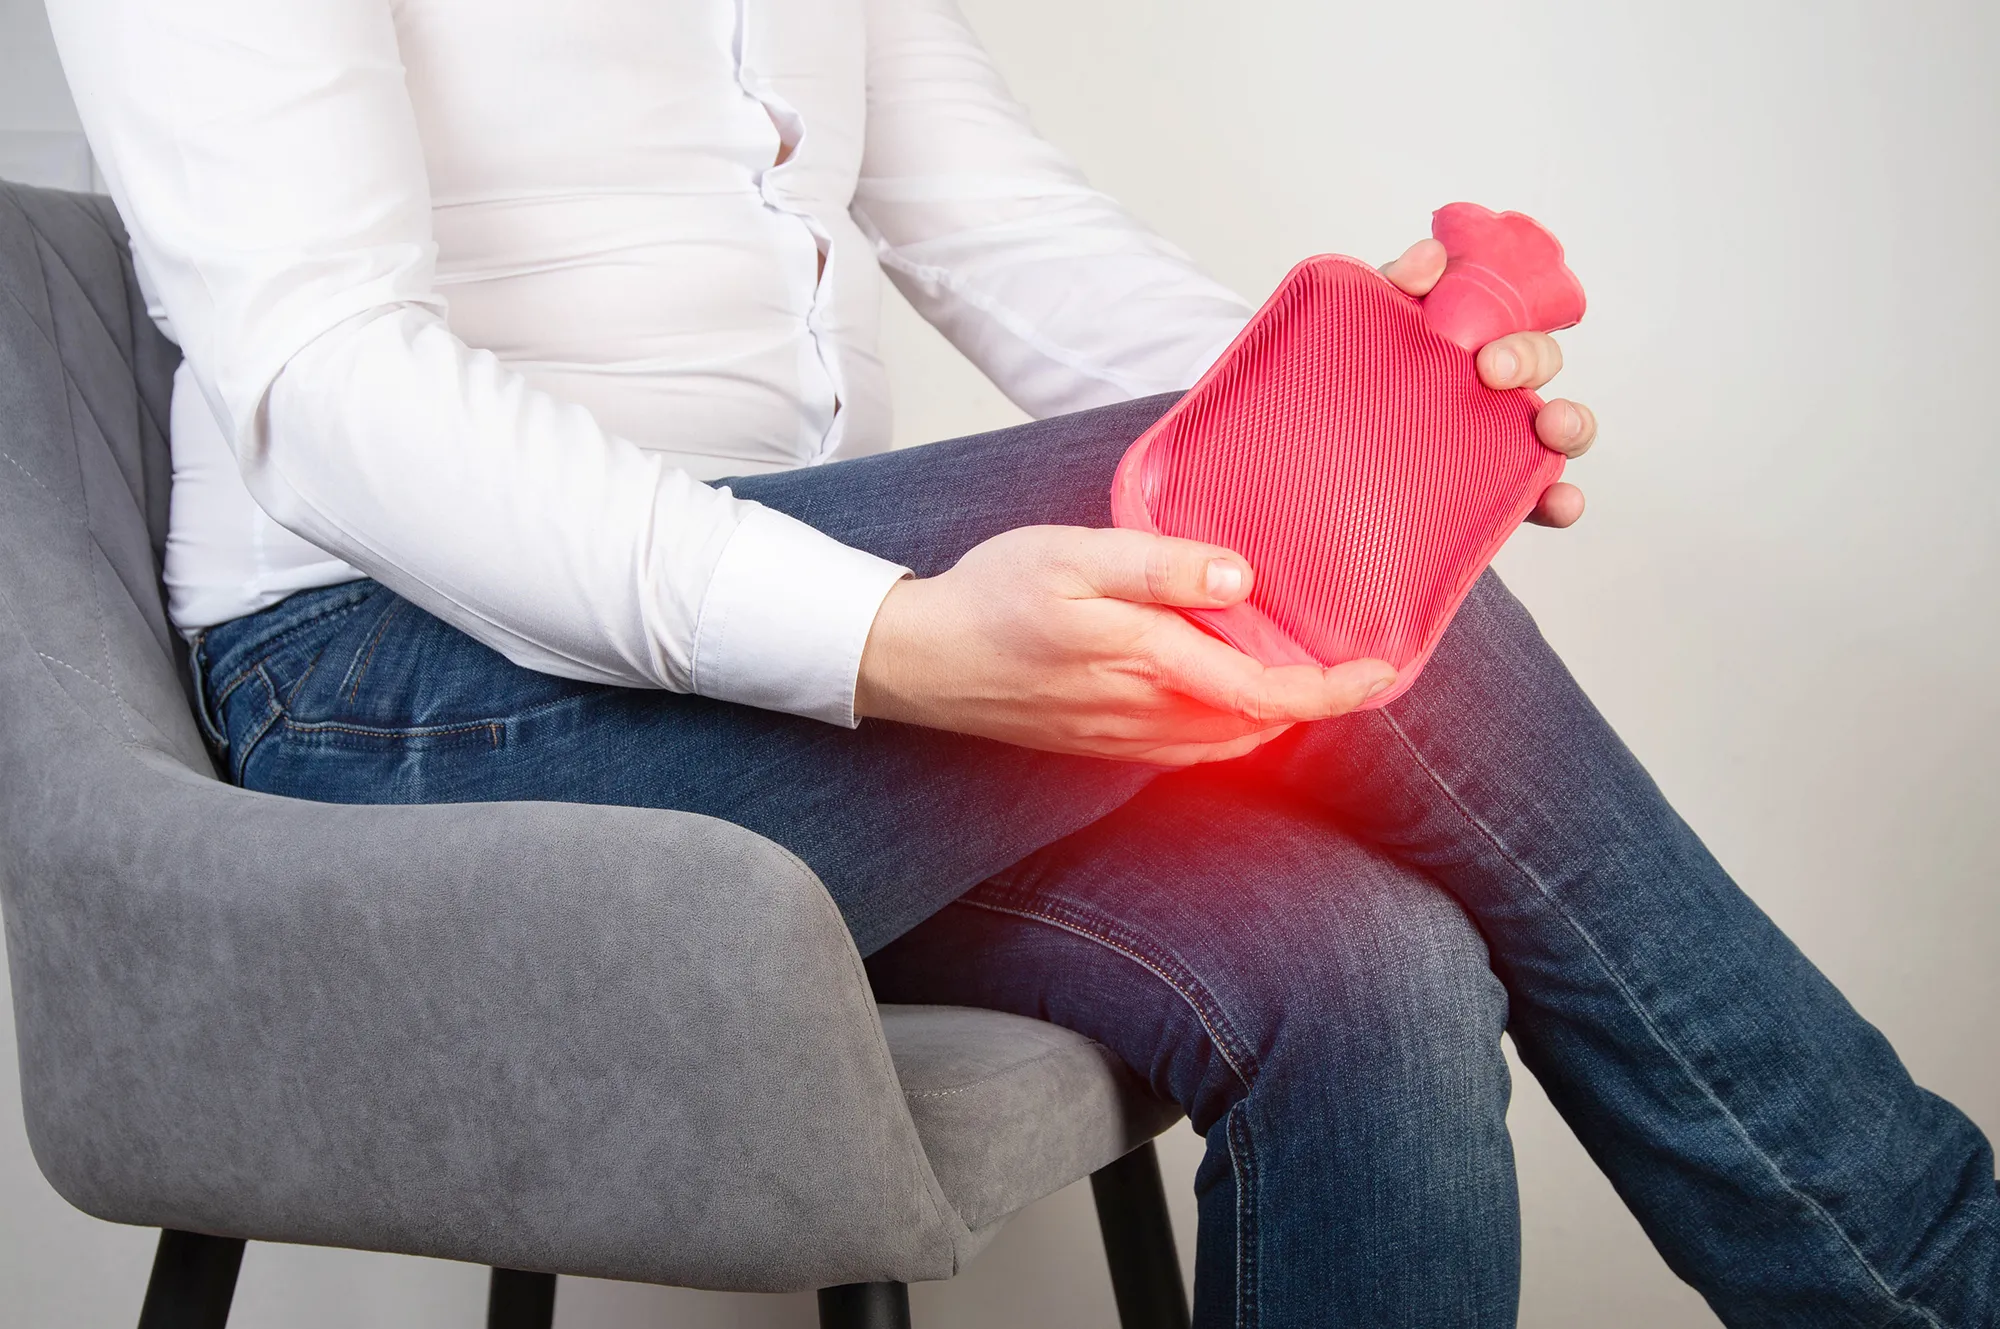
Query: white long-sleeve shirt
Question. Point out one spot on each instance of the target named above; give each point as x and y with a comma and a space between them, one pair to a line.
475, 295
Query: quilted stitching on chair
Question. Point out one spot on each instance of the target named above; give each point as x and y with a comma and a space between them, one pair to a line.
85, 380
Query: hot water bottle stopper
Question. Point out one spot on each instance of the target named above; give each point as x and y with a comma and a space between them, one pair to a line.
1345, 446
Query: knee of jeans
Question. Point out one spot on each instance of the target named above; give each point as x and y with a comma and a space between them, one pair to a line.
1383, 991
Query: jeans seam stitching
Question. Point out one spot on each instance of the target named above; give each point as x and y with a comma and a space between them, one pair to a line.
1158, 970
243, 676
248, 747
1242, 1162
269, 647
495, 722
415, 731
1896, 1299
292, 697
539, 709
374, 643
324, 647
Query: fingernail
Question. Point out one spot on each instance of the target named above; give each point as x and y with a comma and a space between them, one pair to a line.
1572, 422
1381, 685
1225, 579
1504, 364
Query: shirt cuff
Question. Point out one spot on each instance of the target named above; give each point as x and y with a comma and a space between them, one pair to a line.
785, 616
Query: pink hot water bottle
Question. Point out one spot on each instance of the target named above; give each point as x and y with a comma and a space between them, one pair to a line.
1345, 446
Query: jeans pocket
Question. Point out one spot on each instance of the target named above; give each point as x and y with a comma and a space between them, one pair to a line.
345, 736
245, 709
334, 761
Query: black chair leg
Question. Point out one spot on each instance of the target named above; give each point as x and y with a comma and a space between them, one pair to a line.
865, 1306
520, 1300
1139, 1242
194, 1280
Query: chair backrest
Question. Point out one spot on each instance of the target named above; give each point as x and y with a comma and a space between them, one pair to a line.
85, 382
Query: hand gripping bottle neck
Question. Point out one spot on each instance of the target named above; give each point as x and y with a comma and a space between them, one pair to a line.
1345, 446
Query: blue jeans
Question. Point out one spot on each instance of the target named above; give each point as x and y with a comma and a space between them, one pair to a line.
1314, 950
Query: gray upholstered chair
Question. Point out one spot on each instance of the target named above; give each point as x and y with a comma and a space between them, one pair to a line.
551, 1039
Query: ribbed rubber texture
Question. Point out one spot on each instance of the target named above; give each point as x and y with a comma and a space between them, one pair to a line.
1354, 458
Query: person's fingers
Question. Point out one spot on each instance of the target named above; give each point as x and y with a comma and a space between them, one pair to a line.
1201, 754
1308, 692
1151, 719
1219, 675
1159, 569
1560, 505
1418, 268
1569, 427
1520, 360
1245, 745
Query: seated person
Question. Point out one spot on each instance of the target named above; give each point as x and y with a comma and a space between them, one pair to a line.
482, 304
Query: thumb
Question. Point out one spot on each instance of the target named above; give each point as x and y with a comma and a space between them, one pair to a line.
1162, 570
1417, 269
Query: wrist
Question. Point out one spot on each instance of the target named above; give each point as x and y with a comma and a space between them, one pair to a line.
881, 686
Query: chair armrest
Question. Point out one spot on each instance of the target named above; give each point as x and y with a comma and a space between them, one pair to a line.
594, 1040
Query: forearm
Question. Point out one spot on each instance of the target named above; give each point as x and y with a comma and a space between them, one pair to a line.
513, 516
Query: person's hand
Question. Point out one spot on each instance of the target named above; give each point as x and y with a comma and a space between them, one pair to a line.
1518, 360
1063, 638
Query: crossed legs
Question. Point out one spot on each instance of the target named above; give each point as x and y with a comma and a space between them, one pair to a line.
1272, 943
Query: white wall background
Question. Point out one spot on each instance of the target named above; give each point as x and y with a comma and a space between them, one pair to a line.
40, 140
1786, 213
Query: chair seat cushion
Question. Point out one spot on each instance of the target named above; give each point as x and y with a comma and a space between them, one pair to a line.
1011, 1109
